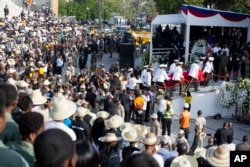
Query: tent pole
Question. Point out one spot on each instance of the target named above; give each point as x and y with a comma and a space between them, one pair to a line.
187, 38
151, 43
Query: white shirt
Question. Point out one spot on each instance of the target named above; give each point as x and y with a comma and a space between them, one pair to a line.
59, 125
160, 75
200, 122
146, 99
159, 160
162, 105
208, 67
178, 74
201, 65
147, 80
132, 83
59, 62
231, 146
171, 68
194, 70
143, 75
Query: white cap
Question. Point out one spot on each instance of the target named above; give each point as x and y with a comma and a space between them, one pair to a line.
130, 69
161, 65
211, 59
146, 66
180, 62
181, 131
186, 105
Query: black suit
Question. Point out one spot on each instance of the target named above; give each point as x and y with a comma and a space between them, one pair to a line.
125, 101
221, 136
110, 106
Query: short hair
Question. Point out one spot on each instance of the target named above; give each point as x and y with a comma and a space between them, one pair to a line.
2, 102
24, 102
141, 159
245, 138
30, 122
199, 112
87, 155
182, 148
11, 91
52, 148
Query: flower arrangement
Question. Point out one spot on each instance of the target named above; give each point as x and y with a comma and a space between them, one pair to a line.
235, 93
228, 95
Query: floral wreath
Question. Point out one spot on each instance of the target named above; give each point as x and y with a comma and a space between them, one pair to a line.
228, 95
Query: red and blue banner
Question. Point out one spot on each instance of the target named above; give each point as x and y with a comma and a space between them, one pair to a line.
204, 12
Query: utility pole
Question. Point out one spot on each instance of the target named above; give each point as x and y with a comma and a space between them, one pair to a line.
99, 13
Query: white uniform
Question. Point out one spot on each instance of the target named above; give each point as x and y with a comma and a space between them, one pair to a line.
178, 74
147, 80
171, 68
208, 67
194, 70
143, 75
160, 75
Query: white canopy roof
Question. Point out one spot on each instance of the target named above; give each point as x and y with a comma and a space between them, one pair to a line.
169, 19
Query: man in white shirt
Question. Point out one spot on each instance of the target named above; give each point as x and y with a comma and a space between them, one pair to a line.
193, 75
172, 67
208, 69
144, 75
178, 77
200, 125
161, 76
148, 77
132, 82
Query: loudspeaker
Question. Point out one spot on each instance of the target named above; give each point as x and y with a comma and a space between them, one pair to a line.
126, 55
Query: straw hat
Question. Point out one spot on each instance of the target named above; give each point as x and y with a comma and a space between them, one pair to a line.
11, 71
184, 160
125, 125
62, 109
11, 62
37, 97
200, 152
102, 114
154, 116
81, 112
93, 118
218, 156
150, 139
161, 91
166, 139
130, 134
12, 81
46, 82
114, 122
141, 129
202, 135
109, 138
22, 84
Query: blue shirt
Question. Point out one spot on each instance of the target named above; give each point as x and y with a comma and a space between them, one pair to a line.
167, 154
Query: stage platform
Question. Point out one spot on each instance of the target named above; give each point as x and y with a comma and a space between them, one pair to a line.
205, 100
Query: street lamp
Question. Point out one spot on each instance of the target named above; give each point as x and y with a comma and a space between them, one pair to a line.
87, 9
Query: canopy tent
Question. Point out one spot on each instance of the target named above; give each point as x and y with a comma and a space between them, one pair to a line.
197, 16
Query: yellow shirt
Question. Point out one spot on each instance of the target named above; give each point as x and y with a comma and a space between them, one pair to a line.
188, 99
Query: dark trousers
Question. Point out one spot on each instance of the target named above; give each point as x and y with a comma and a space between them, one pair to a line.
160, 116
206, 78
186, 130
139, 117
166, 125
127, 116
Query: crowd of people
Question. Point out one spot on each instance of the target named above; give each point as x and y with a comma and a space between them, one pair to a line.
51, 117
